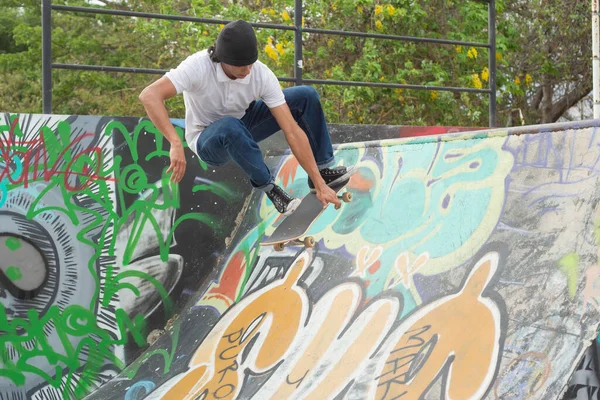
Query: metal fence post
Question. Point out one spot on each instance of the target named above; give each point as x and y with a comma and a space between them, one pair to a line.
596, 57
492, 61
298, 42
46, 57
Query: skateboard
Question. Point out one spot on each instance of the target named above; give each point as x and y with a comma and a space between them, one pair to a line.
295, 225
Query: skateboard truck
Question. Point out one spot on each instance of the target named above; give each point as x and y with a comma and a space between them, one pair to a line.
308, 242
346, 198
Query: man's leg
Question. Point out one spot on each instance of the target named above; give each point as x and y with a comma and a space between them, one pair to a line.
229, 139
305, 106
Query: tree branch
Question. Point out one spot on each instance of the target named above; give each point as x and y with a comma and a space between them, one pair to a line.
570, 99
537, 98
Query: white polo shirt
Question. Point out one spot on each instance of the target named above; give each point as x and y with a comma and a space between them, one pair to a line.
210, 95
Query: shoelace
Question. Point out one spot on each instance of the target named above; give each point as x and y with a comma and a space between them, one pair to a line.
333, 171
280, 198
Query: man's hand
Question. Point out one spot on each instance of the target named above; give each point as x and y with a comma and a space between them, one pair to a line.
153, 98
178, 162
327, 195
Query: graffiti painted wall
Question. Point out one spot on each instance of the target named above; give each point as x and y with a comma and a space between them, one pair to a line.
97, 247
464, 268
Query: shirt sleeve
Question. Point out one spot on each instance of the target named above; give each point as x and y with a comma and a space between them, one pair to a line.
272, 94
187, 77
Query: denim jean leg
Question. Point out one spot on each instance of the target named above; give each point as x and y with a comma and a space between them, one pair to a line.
229, 139
305, 105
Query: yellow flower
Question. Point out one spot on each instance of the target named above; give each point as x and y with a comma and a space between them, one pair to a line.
382, 78
398, 91
378, 10
285, 15
334, 6
361, 118
476, 81
485, 74
378, 25
271, 52
434, 95
272, 12
303, 22
264, 11
391, 10
472, 53
518, 80
350, 113
359, 9
498, 56
280, 48
330, 43
205, 33
270, 40
459, 49
528, 79
221, 26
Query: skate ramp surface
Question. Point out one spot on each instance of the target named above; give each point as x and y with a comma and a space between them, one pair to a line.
464, 268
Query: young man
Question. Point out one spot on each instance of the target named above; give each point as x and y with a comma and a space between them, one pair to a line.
233, 101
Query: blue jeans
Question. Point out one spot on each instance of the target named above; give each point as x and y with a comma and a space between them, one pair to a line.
236, 139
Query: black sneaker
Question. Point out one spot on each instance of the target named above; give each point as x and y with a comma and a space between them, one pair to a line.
331, 176
282, 201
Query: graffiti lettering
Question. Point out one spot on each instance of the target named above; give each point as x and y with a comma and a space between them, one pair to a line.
334, 347
413, 361
38, 161
296, 383
282, 313
438, 334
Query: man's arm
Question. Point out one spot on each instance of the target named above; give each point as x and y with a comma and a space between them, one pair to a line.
301, 149
153, 98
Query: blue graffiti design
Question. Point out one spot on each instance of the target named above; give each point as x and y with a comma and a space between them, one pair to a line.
140, 390
15, 175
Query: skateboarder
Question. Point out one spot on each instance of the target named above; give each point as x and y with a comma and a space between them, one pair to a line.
233, 101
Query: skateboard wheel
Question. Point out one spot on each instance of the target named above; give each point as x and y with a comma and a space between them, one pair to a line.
279, 246
347, 197
309, 241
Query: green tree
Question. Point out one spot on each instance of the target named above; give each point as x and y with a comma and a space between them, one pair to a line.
548, 61
543, 80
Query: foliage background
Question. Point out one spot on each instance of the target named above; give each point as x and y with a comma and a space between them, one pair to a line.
543, 56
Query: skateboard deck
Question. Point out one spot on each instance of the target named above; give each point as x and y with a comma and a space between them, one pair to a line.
299, 222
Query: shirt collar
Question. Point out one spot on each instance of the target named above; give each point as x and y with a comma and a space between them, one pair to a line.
222, 76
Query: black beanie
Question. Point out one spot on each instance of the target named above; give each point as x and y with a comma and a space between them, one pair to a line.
236, 44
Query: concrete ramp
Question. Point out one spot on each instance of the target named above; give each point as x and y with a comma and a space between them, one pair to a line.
464, 268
